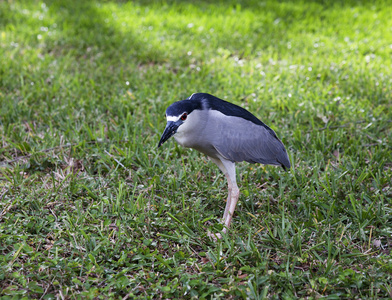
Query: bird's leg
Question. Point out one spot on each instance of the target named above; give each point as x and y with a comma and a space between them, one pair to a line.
228, 201
228, 198
234, 193
221, 167
228, 168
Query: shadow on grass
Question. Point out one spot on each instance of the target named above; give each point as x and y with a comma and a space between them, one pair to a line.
84, 27
256, 5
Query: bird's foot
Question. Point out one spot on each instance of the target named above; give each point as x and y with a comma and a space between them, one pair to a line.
214, 236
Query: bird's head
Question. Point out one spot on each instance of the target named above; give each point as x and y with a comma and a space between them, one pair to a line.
180, 116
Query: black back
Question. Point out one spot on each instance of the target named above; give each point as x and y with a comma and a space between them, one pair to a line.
227, 108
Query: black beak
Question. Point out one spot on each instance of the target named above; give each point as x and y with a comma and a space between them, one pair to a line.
170, 130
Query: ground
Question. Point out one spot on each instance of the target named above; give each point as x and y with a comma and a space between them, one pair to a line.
90, 208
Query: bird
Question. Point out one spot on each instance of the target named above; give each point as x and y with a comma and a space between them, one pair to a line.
226, 133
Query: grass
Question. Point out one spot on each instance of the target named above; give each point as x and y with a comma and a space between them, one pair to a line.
90, 208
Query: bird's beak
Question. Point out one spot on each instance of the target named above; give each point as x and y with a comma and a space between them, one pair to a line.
170, 130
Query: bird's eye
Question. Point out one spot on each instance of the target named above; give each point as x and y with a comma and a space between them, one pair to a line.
184, 116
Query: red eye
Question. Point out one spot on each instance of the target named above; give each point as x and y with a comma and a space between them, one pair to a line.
184, 116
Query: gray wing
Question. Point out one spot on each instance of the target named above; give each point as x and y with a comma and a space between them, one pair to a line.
238, 140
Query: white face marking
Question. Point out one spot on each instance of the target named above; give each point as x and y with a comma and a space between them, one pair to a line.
173, 118
190, 98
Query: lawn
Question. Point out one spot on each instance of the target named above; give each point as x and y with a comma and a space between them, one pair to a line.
91, 208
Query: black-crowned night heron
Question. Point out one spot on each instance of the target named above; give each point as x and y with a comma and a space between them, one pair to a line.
227, 134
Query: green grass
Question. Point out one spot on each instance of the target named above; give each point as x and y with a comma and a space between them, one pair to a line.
90, 208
